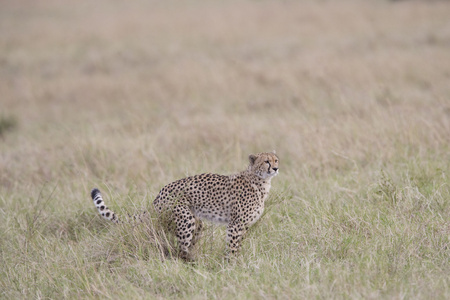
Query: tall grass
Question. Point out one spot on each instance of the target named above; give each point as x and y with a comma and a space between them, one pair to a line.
127, 97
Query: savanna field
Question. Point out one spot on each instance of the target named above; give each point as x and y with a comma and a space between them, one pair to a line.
128, 96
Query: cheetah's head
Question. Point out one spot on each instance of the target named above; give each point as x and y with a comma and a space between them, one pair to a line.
264, 165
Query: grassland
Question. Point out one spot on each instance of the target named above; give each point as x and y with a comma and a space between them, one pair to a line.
128, 96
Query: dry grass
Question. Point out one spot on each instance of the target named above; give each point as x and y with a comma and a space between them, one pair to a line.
353, 95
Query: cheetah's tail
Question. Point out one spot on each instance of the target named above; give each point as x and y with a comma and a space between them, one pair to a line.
102, 208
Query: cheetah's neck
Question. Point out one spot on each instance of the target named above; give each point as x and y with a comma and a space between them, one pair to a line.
263, 185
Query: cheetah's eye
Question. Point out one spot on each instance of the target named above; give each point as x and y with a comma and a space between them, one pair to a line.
276, 160
266, 161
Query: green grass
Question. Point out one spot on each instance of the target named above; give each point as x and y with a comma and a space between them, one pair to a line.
127, 97
388, 239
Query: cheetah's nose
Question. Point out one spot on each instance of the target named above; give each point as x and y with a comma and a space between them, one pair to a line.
275, 169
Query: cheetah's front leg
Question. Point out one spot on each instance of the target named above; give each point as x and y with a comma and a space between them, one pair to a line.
235, 233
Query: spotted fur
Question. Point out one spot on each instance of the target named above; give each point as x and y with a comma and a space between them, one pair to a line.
236, 200
103, 210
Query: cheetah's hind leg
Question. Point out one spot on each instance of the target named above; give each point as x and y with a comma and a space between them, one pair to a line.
186, 224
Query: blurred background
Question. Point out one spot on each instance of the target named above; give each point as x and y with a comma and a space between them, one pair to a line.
131, 91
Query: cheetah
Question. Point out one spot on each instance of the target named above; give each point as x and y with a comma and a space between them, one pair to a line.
235, 200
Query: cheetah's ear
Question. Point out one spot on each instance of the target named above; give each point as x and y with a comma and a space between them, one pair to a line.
252, 158
274, 152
